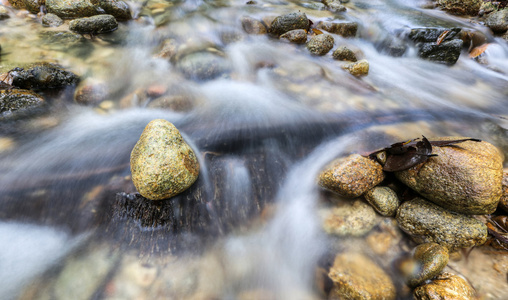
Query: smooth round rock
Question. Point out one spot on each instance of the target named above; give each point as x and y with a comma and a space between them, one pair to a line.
297, 36
320, 44
118, 9
344, 53
427, 222
355, 276
464, 178
358, 69
430, 259
350, 219
162, 163
445, 287
351, 176
498, 21
285, 23
73, 9
384, 200
95, 24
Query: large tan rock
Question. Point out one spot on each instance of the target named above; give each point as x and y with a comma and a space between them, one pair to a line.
445, 287
464, 177
162, 163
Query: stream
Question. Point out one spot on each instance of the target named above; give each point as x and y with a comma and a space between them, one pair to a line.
71, 223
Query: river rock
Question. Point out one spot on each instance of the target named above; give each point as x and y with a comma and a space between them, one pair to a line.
358, 69
118, 9
253, 26
426, 222
320, 44
4, 13
445, 53
503, 201
91, 92
351, 176
285, 23
33, 6
297, 36
463, 7
430, 259
357, 277
384, 200
18, 4
12, 100
350, 219
94, 25
498, 21
464, 178
335, 6
432, 34
51, 20
445, 287
74, 9
344, 29
344, 53
162, 163
203, 65
43, 76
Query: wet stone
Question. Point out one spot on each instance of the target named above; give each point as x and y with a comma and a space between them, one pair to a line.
351, 176
498, 21
285, 23
350, 219
335, 6
43, 76
94, 25
73, 9
503, 201
33, 6
344, 29
162, 163
358, 69
51, 20
463, 7
432, 34
15, 99
445, 53
253, 26
445, 287
203, 65
355, 276
297, 36
91, 92
320, 44
464, 178
430, 259
118, 9
344, 53
427, 222
384, 200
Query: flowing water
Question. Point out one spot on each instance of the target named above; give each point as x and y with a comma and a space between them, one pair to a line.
263, 129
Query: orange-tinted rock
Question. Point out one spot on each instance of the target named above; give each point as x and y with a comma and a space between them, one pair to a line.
445, 287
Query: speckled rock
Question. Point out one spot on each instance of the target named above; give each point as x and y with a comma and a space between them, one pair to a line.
344, 29
503, 201
320, 44
16, 99
350, 219
430, 259
357, 277
285, 23
297, 36
498, 21
51, 20
465, 178
384, 200
33, 6
95, 24
344, 53
335, 6
446, 287
358, 69
253, 26
18, 4
118, 9
427, 222
42, 76
461, 7
351, 176
445, 53
162, 164
73, 9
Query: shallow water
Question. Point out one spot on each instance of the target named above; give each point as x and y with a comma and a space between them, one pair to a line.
262, 131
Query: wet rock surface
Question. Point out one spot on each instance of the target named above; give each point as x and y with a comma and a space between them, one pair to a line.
94, 25
349, 219
253, 26
4, 13
320, 44
430, 259
358, 69
285, 23
466, 7
465, 178
344, 53
203, 65
355, 276
439, 45
118, 9
12, 100
344, 29
384, 200
297, 36
503, 201
351, 176
51, 20
445, 287
43, 76
162, 163
498, 21
73, 9
427, 222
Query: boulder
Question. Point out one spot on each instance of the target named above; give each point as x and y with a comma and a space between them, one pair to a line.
445, 53
162, 163
285, 23
464, 177
94, 25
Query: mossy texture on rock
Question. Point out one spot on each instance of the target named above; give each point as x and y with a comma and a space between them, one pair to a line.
465, 177
119, 9
15, 99
285, 23
94, 24
461, 7
67, 9
162, 163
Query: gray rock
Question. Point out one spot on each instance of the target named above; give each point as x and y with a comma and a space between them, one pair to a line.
344, 53
498, 21
350, 219
426, 222
351, 176
74, 9
297, 36
118, 9
43, 76
253, 26
384, 200
94, 25
162, 163
445, 286
285, 23
465, 178
320, 44
445, 53
203, 65
16, 99
51, 20
429, 259
344, 29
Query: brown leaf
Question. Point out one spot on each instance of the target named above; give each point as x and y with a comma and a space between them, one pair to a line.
316, 31
477, 51
442, 37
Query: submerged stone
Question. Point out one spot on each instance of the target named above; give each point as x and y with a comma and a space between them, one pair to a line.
162, 163
350, 219
430, 259
253, 26
344, 29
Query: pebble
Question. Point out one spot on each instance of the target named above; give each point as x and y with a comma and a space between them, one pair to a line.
430, 259
162, 163
464, 178
350, 219
351, 176
427, 222
344, 29
285, 23
344, 53
355, 276
297, 36
384, 200
358, 69
320, 44
446, 286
